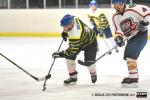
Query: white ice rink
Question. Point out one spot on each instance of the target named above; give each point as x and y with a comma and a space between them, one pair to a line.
34, 55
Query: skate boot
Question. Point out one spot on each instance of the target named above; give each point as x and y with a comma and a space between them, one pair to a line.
117, 50
70, 81
110, 52
93, 78
129, 82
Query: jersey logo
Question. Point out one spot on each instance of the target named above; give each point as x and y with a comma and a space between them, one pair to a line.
128, 26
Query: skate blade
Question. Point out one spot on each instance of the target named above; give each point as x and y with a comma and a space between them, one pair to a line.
109, 53
72, 83
132, 85
117, 51
94, 84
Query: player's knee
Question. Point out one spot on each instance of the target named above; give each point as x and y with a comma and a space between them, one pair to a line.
70, 62
71, 67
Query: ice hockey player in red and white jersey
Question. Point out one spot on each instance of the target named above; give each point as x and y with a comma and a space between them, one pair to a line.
131, 24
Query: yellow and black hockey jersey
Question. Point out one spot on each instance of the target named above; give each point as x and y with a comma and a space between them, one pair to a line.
80, 37
98, 19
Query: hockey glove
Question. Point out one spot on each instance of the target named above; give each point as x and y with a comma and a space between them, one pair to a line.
64, 36
119, 40
58, 54
143, 23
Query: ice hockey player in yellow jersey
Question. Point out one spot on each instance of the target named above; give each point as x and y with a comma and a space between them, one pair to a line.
101, 24
81, 38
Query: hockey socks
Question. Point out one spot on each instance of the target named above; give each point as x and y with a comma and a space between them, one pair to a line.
132, 80
92, 70
72, 73
132, 68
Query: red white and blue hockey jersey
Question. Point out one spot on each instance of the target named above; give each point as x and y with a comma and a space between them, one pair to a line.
127, 23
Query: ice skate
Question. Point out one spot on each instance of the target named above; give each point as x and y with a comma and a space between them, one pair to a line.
70, 81
117, 50
109, 52
129, 82
93, 78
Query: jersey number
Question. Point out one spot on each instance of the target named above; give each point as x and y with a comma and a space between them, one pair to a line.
144, 9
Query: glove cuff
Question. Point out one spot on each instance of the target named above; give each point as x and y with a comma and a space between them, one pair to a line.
118, 34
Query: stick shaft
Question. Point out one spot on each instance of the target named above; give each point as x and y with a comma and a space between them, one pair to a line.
106, 43
105, 53
109, 51
44, 86
55, 58
19, 67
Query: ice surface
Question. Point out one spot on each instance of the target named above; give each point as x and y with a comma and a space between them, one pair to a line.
34, 55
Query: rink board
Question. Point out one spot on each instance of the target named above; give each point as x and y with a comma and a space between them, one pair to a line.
41, 22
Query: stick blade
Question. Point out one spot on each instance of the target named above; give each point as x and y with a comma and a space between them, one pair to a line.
44, 78
82, 63
48, 76
44, 88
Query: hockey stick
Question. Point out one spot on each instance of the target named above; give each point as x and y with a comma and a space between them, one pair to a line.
86, 64
37, 79
44, 85
106, 44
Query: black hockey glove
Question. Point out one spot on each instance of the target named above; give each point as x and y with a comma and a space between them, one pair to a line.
119, 40
144, 23
64, 35
58, 54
